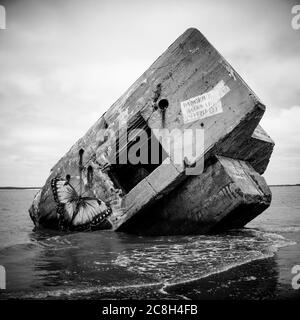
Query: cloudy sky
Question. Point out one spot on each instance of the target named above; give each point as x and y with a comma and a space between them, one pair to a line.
63, 63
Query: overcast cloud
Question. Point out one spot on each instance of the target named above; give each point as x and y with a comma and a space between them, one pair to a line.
63, 63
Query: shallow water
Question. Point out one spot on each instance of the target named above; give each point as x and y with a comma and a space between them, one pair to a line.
105, 264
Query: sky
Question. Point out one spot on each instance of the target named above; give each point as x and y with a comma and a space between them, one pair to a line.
63, 63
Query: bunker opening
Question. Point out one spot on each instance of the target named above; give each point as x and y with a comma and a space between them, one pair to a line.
137, 153
90, 176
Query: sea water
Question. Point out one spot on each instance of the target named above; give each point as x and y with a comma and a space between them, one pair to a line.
104, 264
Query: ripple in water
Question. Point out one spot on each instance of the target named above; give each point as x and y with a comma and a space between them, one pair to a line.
199, 256
146, 264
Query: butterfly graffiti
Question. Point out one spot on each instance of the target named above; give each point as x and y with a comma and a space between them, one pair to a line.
75, 211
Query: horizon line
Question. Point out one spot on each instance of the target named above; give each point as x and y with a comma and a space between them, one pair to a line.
14, 187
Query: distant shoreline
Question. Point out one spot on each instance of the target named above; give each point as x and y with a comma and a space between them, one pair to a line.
19, 188
284, 185
37, 188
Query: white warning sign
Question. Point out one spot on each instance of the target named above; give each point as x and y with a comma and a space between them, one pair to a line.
205, 105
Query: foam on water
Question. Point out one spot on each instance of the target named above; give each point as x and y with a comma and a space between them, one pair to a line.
167, 262
47, 264
191, 259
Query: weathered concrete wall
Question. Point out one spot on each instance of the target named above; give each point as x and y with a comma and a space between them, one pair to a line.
190, 67
256, 149
228, 194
